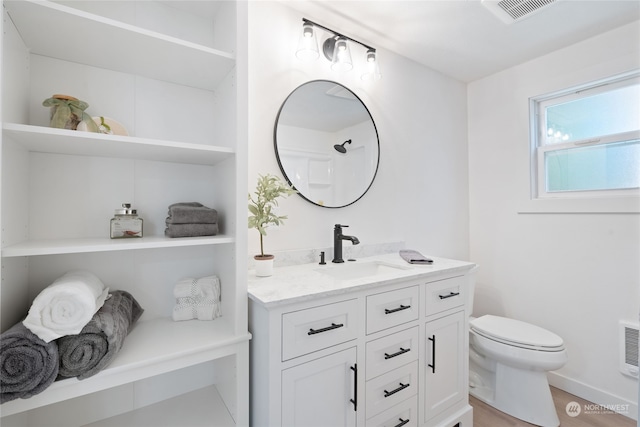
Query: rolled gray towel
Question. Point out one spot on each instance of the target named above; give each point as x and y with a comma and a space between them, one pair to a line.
89, 352
28, 364
191, 230
191, 213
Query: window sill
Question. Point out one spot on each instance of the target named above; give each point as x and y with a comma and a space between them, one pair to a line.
601, 205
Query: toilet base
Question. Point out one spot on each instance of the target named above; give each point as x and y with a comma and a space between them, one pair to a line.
521, 393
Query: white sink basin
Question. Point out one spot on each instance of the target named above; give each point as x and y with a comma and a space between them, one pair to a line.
355, 270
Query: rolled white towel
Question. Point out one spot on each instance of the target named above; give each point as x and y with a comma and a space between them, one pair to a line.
66, 306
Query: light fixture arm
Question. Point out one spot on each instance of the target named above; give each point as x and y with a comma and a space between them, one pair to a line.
337, 34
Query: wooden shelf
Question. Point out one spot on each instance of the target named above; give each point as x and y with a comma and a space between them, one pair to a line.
152, 348
62, 32
74, 246
63, 141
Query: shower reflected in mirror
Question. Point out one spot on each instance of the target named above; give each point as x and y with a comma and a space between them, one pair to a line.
340, 147
312, 123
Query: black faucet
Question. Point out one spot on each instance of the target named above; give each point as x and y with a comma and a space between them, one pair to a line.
338, 237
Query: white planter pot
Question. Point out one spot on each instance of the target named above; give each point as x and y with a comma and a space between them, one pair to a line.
264, 265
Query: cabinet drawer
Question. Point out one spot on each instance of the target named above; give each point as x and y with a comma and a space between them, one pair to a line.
391, 352
445, 294
391, 388
312, 329
392, 308
404, 414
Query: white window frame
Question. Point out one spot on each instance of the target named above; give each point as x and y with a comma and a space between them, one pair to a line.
537, 108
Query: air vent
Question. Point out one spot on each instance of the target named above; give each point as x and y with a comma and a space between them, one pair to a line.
510, 11
629, 338
340, 92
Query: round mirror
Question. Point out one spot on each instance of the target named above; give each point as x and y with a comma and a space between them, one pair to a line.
326, 144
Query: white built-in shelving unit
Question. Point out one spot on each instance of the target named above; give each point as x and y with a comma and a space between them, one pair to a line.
174, 74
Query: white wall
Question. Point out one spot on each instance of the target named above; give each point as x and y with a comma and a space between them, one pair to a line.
574, 274
420, 194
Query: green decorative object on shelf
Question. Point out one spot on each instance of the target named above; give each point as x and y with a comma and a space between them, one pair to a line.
268, 190
68, 112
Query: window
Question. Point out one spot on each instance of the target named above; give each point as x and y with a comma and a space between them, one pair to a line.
586, 141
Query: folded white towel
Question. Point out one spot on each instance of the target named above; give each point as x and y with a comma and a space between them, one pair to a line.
200, 287
210, 287
66, 306
188, 308
208, 311
188, 287
184, 309
201, 301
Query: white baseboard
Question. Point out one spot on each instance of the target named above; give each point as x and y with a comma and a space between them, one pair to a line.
610, 401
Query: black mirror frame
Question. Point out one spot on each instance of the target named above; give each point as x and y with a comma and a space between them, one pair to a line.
275, 144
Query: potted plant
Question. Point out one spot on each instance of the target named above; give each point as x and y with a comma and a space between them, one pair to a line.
268, 190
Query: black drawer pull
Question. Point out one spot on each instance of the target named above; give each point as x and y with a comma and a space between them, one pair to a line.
394, 310
398, 353
354, 368
328, 328
402, 387
432, 365
402, 422
451, 294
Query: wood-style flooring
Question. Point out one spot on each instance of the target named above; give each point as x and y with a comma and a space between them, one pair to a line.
487, 416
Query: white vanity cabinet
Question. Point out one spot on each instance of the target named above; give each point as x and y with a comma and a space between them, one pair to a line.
174, 75
446, 341
318, 390
445, 379
360, 352
321, 392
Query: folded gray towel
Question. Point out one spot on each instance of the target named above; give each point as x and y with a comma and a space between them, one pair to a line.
191, 230
414, 257
89, 352
191, 213
28, 364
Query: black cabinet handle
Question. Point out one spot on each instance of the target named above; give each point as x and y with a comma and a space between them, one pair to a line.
394, 310
402, 387
328, 328
402, 422
398, 353
354, 368
451, 294
433, 354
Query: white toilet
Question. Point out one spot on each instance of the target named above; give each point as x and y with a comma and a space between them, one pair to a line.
508, 365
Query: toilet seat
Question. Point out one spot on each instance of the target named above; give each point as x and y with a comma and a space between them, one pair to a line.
516, 333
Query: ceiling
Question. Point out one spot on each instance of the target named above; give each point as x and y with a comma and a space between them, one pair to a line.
462, 38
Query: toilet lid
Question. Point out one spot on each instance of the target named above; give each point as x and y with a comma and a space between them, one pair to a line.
518, 333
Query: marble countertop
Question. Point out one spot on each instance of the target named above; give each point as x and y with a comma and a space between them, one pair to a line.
304, 282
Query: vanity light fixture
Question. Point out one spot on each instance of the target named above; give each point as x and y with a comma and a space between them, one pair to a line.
308, 44
341, 55
336, 49
373, 69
